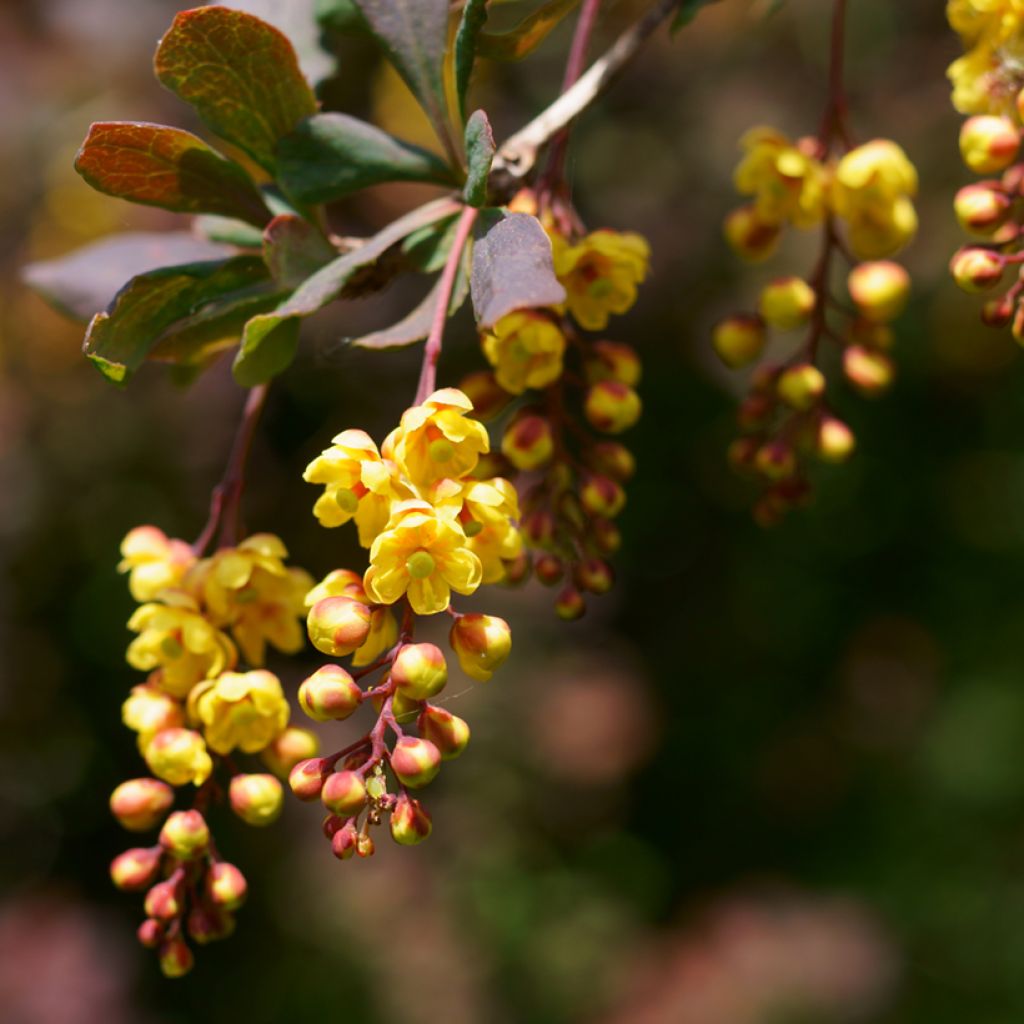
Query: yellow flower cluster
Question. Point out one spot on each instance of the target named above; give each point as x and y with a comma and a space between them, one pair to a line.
988, 78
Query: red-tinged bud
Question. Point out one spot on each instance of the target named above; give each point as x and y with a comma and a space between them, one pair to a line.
539, 528
419, 671
257, 799
982, 209
602, 496
614, 360
489, 398
835, 440
176, 958
482, 643
208, 924
776, 460
742, 454
997, 312
595, 575
415, 761
570, 605
750, 237
136, 869
331, 824
613, 459
763, 378
448, 732
802, 386
163, 901
869, 372
787, 303
150, 933
739, 340
291, 747
344, 841
410, 823
1018, 325
185, 835
976, 270
879, 290
606, 536
140, 804
365, 846
344, 793
611, 406
549, 569
338, 625
755, 410
528, 442
148, 710
988, 143
226, 886
518, 569
307, 778
871, 335
330, 693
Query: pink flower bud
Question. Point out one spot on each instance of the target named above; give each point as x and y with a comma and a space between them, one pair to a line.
570, 605
448, 732
595, 575
208, 924
365, 846
415, 761
291, 747
338, 625
163, 901
140, 804
185, 835
137, 868
256, 799
481, 643
868, 371
344, 793
988, 143
329, 693
539, 528
150, 933
226, 886
175, 958
549, 569
344, 841
307, 778
975, 269
419, 671
982, 208
410, 823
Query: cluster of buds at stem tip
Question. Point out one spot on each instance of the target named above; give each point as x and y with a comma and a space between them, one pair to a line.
860, 202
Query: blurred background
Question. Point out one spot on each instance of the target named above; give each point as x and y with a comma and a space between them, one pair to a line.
774, 778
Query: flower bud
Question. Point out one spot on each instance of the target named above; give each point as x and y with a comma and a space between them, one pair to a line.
481, 643
606, 536
614, 360
291, 747
179, 756
330, 693
410, 823
602, 496
835, 440
613, 459
448, 732
163, 901
801, 386
988, 143
150, 933
539, 527
344, 794
419, 671
185, 835
137, 868
739, 340
776, 460
344, 842
548, 569
570, 604
1017, 328
140, 804
975, 269
338, 583
176, 958
595, 575
528, 442
997, 312
750, 237
257, 799
365, 846
518, 569
415, 761
226, 886
489, 398
611, 406
307, 778
982, 209
338, 625
208, 924
787, 302
879, 290
868, 371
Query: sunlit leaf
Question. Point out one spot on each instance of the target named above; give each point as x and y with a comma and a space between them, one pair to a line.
479, 154
229, 231
522, 40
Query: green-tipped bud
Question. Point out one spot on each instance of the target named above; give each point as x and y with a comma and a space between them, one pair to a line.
176, 958
330, 693
802, 386
136, 869
739, 340
344, 794
307, 778
415, 761
257, 799
481, 643
338, 625
291, 747
611, 406
140, 804
226, 886
410, 823
787, 303
185, 835
419, 671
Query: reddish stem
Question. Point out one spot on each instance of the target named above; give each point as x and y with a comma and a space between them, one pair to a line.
834, 119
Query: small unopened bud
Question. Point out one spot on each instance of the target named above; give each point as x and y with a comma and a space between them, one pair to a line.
528, 442
338, 625
419, 671
570, 605
835, 440
330, 693
997, 312
208, 924
776, 460
982, 209
606, 536
549, 569
975, 269
415, 761
489, 398
1017, 328
410, 823
870, 372
518, 569
481, 643
602, 496
288, 749
614, 360
307, 778
149, 933
148, 710
801, 386
185, 835
163, 901
611, 406
344, 794
879, 290
136, 869
787, 302
739, 340
595, 575
756, 409
539, 527
750, 237
176, 958
179, 756
257, 799
344, 841
226, 885
614, 459
365, 845
448, 732
140, 804
988, 143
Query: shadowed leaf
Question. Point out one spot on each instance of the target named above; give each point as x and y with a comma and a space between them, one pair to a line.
228, 230
167, 167
239, 73
479, 154
527, 35
427, 249
474, 16
294, 249
264, 354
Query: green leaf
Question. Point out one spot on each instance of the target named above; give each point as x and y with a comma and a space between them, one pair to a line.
167, 167
427, 250
512, 269
151, 304
229, 231
479, 154
294, 249
332, 155
87, 280
688, 10
527, 35
474, 16
341, 16
414, 34
240, 74
266, 351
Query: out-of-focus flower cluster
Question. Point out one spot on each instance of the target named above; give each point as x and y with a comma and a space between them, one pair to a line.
862, 204
434, 522
570, 477
197, 710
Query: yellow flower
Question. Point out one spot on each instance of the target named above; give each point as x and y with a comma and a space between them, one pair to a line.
788, 185
600, 274
995, 20
424, 555
437, 440
525, 349
360, 485
250, 590
179, 756
148, 710
154, 561
246, 710
177, 644
383, 626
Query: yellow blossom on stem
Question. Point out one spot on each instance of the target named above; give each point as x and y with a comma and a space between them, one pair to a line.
487, 511
525, 349
148, 710
153, 561
246, 710
179, 756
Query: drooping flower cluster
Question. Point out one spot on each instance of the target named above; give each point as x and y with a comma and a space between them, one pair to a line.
432, 527
862, 204
195, 710
988, 78
571, 481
